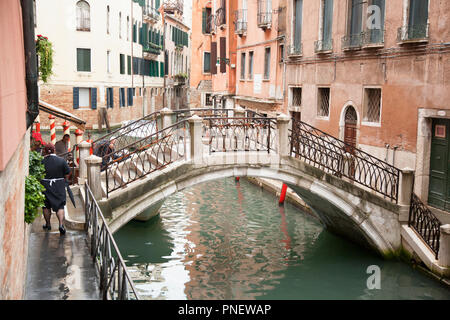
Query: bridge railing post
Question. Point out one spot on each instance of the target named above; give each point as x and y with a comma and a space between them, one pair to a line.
283, 134
196, 145
239, 112
93, 164
444, 246
84, 153
405, 190
166, 117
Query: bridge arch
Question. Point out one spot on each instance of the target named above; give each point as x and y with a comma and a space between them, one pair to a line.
340, 205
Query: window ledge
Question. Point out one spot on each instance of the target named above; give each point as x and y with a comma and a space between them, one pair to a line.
371, 124
323, 118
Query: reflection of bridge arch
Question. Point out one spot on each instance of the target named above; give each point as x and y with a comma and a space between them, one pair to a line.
339, 204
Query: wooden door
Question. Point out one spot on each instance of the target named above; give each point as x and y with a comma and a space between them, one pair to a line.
439, 186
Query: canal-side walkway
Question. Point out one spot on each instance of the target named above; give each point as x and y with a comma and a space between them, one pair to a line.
59, 267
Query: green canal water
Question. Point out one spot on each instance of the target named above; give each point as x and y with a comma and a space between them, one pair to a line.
227, 240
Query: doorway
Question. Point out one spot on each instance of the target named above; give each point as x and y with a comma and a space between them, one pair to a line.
439, 187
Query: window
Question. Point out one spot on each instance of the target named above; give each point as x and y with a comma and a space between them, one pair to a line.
325, 41
83, 16
242, 65
296, 97
122, 97
122, 64
84, 60
120, 25
375, 25
267, 63
129, 65
372, 105
281, 53
355, 24
323, 109
130, 94
107, 19
108, 61
417, 20
206, 21
110, 98
208, 100
128, 28
84, 98
206, 62
250, 65
298, 16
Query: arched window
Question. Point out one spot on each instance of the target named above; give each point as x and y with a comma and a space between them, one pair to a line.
107, 19
83, 16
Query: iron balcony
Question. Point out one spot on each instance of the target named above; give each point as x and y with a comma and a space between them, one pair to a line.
323, 46
413, 33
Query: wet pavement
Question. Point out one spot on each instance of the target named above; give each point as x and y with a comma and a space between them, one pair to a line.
59, 267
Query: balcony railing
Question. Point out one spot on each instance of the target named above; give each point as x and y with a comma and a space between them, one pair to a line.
221, 17
152, 48
294, 50
413, 33
170, 6
323, 46
373, 37
352, 41
240, 21
265, 19
151, 13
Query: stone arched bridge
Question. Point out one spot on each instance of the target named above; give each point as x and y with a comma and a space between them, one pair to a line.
353, 193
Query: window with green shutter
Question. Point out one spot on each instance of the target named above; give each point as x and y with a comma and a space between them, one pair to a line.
84, 60
122, 64
129, 64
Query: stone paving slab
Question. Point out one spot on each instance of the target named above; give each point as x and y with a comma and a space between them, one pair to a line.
59, 267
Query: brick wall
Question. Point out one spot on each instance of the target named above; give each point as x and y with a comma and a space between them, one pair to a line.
14, 232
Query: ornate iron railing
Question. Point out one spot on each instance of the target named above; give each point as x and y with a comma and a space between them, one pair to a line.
239, 134
146, 155
413, 32
115, 282
240, 21
202, 113
295, 50
352, 41
425, 223
373, 37
129, 133
321, 46
221, 17
334, 156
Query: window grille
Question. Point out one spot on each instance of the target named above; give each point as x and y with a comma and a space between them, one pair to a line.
296, 97
373, 105
83, 16
324, 102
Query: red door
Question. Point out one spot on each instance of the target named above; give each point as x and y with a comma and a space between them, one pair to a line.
351, 120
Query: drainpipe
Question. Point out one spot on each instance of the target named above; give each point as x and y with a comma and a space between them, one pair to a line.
30, 61
387, 152
393, 155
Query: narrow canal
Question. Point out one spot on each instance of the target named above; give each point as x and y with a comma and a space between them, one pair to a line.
222, 240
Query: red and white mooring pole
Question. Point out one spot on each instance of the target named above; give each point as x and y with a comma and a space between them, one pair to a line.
52, 119
283, 194
79, 138
38, 124
66, 129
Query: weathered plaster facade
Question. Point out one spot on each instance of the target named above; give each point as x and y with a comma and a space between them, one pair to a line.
14, 146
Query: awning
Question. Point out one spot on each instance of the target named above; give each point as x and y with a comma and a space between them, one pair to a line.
60, 113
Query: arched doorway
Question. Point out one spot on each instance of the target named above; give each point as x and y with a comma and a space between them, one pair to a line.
350, 128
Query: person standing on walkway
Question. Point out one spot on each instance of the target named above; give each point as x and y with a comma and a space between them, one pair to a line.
56, 172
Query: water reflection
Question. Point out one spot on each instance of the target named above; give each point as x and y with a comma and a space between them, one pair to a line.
222, 240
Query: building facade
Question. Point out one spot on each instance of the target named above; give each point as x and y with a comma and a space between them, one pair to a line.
107, 55
177, 55
375, 74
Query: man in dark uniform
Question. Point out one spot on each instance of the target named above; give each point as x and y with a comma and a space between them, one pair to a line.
56, 172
